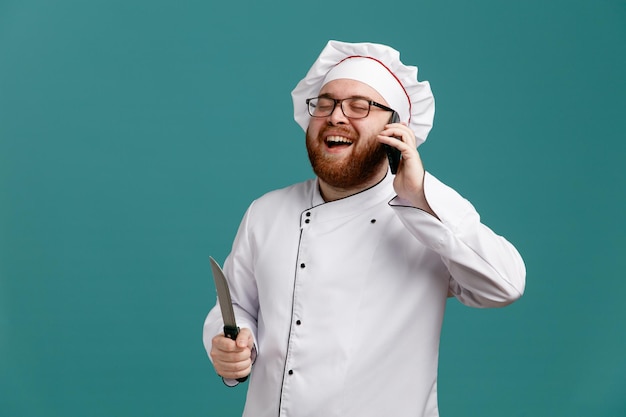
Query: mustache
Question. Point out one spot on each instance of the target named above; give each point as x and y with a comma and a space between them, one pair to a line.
337, 130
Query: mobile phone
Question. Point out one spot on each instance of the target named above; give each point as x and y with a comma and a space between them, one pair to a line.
393, 154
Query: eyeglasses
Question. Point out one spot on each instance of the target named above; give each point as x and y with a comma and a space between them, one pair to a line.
352, 107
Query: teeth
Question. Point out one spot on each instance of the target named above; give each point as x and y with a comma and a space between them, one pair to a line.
338, 139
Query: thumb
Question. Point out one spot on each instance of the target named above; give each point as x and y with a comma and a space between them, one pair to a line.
245, 339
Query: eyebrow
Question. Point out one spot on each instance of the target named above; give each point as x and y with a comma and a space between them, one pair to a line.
328, 95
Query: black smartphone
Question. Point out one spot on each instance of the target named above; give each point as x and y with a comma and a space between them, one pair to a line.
393, 154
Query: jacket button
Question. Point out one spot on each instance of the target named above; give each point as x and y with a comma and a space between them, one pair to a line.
302, 265
290, 372
298, 322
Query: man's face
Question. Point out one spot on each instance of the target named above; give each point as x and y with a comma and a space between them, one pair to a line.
344, 152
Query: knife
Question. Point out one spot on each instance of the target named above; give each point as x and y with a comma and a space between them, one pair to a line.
231, 330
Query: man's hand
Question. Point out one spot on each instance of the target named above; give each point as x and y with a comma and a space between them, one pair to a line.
409, 181
233, 359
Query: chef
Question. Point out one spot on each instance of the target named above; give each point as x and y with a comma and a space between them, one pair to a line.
340, 283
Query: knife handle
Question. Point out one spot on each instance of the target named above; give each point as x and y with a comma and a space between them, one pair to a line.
232, 332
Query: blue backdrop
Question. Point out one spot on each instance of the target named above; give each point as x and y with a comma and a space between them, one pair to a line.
133, 135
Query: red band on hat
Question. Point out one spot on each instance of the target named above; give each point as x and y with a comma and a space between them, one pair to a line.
390, 72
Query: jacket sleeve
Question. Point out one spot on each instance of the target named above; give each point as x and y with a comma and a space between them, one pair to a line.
486, 270
238, 269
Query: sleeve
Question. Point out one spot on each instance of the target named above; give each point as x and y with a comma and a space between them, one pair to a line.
238, 269
486, 270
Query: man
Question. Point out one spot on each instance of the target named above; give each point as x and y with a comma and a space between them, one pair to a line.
340, 283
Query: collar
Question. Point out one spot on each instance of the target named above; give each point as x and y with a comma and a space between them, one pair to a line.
381, 192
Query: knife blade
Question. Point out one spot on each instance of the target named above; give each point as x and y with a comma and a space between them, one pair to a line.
231, 330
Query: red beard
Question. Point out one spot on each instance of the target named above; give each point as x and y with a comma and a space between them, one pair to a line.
364, 162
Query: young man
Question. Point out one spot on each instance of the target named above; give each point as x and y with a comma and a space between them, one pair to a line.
340, 283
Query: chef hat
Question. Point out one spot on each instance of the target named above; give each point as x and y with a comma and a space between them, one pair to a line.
379, 67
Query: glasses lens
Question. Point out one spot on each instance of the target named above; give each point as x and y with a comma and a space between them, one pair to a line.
356, 108
321, 106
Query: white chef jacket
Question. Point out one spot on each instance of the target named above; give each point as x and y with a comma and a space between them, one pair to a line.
345, 299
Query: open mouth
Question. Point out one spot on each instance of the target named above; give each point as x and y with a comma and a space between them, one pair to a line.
337, 141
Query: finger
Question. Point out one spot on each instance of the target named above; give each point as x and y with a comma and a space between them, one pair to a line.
234, 374
245, 339
223, 343
401, 132
232, 367
398, 123
223, 348
394, 140
230, 357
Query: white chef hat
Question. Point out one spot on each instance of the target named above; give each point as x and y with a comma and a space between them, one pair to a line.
378, 66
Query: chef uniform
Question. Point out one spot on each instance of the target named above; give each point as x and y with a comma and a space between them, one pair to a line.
345, 299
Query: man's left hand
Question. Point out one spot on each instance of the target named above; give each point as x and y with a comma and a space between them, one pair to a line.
409, 181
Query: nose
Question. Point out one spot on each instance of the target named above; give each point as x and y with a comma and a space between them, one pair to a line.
337, 116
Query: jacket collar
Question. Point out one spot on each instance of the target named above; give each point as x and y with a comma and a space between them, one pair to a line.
381, 192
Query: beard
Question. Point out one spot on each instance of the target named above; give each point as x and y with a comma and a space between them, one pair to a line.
363, 164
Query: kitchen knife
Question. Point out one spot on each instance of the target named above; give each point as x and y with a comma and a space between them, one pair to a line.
231, 330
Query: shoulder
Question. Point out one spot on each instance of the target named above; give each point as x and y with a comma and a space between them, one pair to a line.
294, 196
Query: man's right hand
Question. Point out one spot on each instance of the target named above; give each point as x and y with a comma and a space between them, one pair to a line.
233, 359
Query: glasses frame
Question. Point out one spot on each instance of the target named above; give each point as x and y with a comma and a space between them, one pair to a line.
340, 102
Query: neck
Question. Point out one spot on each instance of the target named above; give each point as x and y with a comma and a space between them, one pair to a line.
332, 193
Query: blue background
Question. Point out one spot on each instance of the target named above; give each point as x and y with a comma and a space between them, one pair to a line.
133, 135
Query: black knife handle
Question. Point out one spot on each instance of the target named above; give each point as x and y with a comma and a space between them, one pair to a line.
232, 332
